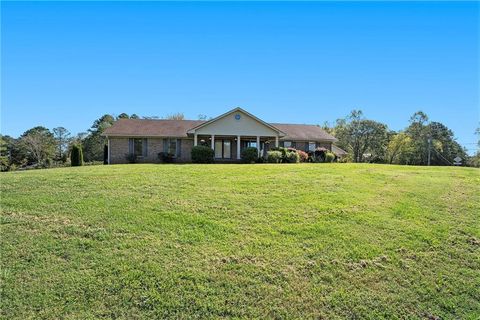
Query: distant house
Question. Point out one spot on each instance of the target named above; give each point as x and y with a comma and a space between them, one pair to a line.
227, 134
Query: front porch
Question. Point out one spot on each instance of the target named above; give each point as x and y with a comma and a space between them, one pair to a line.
229, 148
234, 131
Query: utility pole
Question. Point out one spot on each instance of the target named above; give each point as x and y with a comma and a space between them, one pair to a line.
429, 149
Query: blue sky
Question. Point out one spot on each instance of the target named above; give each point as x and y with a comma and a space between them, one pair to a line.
67, 63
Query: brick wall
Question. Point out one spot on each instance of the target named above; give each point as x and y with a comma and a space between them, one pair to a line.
326, 145
154, 146
119, 150
301, 145
186, 150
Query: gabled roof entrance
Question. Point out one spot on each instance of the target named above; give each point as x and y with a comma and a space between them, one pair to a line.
237, 122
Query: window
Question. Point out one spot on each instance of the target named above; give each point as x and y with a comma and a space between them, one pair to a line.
171, 146
137, 147
218, 149
287, 144
312, 146
227, 150
223, 149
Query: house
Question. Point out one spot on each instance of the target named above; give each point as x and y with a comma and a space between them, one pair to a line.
228, 134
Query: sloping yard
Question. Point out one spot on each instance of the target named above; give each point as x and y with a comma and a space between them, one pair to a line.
245, 241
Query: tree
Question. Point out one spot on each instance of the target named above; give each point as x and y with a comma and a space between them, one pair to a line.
39, 145
94, 142
76, 156
15, 153
364, 139
327, 127
4, 161
202, 117
474, 161
444, 146
123, 116
419, 118
419, 134
175, 116
102, 123
78, 139
399, 149
477, 132
62, 138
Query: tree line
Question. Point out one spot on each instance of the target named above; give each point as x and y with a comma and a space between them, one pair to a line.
420, 143
40, 147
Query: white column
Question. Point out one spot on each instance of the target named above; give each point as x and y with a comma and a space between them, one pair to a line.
276, 142
195, 139
213, 141
258, 146
238, 147
108, 153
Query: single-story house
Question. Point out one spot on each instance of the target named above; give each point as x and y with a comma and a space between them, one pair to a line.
227, 134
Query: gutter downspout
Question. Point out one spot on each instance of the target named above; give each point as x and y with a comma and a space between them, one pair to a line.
108, 153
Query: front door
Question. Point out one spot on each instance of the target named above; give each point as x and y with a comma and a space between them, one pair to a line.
223, 149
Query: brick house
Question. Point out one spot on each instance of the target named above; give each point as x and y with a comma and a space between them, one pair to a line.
228, 134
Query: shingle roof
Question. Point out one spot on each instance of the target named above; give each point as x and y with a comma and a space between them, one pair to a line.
303, 132
179, 128
338, 151
151, 128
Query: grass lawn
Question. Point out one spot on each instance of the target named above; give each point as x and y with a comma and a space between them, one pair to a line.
242, 241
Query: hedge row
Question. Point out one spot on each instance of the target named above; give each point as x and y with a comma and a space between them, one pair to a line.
204, 154
291, 155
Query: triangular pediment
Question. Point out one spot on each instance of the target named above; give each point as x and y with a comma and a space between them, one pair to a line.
237, 122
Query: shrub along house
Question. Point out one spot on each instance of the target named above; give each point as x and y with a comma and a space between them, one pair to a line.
227, 134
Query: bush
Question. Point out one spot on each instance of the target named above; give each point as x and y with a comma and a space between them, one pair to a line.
203, 154
249, 155
319, 154
131, 158
274, 156
303, 155
311, 156
291, 157
329, 157
165, 157
105, 154
76, 156
282, 150
288, 155
260, 160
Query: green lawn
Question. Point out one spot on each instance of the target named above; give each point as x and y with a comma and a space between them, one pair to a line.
241, 241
